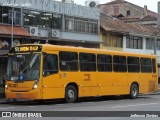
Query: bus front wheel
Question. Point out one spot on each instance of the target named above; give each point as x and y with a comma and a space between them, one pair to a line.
70, 94
134, 91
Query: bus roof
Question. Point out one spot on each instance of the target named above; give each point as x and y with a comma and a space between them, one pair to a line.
82, 49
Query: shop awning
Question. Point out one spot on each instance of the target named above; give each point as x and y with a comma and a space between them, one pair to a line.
17, 30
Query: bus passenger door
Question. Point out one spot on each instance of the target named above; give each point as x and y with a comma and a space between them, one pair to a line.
50, 81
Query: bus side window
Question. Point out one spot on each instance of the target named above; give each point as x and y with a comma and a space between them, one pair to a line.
50, 64
133, 64
146, 66
68, 61
119, 63
87, 62
104, 63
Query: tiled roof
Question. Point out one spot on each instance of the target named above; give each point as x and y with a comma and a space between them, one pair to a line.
130, 18
106, 16
116, 2
17, 30
149, 18
151, 13
116, 25
112, 25
137, 18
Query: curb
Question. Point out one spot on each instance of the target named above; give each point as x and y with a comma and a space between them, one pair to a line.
2, 100
156, 93
153, 94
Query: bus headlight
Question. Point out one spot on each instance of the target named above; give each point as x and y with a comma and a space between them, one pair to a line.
6, 86
35, 85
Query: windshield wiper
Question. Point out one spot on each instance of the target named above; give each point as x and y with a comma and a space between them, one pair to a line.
28, 66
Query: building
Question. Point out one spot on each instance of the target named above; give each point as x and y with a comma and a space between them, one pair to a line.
111, 34
57, 22
129, 12
41, 21
129, 37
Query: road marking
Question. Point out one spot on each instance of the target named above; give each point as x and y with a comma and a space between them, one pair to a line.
32, 106
135, 105
60, 104
87, 102
7, 108
44, 105
90, 102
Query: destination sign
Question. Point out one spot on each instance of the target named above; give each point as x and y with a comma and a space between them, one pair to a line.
33, 48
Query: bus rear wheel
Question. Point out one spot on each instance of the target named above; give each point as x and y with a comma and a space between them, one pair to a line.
134, 90
71, 94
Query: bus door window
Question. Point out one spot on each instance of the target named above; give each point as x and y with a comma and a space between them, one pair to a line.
50, 64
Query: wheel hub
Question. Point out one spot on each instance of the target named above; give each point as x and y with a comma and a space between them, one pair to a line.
71, 94
134, 91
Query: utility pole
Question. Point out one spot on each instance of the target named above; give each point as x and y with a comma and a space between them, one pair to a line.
12, 25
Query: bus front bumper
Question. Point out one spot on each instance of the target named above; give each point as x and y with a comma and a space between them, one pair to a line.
30, 95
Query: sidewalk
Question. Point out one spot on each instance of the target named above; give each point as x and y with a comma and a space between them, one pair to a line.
2, 100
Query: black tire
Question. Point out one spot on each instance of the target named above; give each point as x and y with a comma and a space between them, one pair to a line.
40, 102
134, 90
71, 94
11, 100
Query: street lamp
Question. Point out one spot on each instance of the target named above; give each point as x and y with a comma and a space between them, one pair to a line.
12, 18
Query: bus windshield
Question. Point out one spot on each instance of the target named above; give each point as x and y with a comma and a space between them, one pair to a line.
23, 67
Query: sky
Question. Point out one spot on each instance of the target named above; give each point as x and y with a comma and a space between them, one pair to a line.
151, 4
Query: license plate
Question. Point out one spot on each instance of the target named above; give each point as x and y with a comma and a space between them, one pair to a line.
18, 94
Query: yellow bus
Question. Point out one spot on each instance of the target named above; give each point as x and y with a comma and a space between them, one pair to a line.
44, 71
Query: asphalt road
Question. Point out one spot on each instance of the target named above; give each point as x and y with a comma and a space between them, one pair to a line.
92, 107
143, 102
